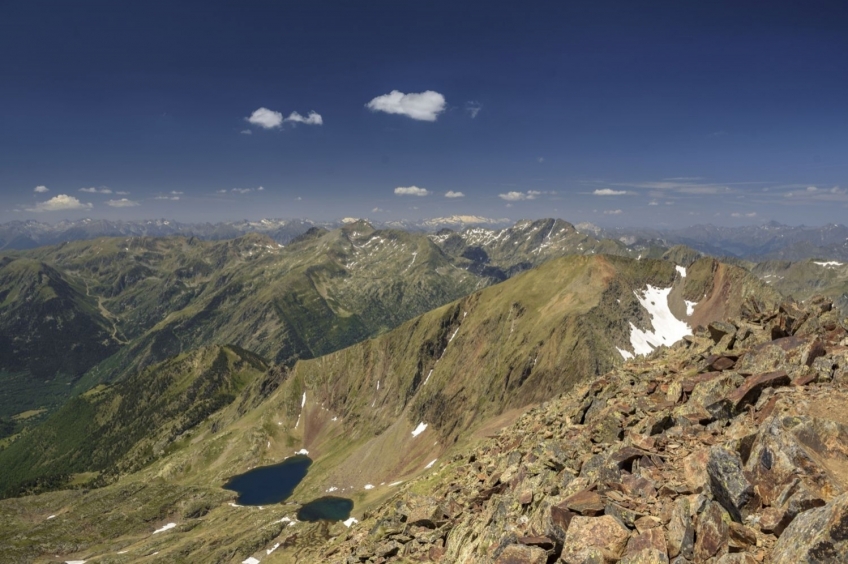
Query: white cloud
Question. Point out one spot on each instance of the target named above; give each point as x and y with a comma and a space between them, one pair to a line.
122, 193
122, 203
540, 159
266, 119
609, 192
423, 106
737, 214
40, 189
653, 203
166, 198
378, 210
681, 186
260, 189
241, 190
246, 132
613, 212
59, 203
102, 190
220, 191
312, 119
516, 196
411, 191
473, 108
176, 193
298, 199
452, 194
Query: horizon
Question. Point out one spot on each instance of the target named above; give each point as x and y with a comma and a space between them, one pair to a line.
663, 115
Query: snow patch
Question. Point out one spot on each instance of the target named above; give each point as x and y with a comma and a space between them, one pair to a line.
369, 486
272, 549
303, 451
332, 489
250, 560
667, 329
51, 517
420, 429
427, 379
690, 307
393, 484
303, 401
430, 465
681, 270
626, 355
74, 561
165, 528
349, 522
830, 263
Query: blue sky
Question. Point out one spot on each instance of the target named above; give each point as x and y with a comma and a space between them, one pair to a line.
619, 113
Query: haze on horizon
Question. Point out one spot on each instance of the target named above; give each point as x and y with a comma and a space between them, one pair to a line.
664, 114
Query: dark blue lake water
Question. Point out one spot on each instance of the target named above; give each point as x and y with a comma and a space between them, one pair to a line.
269, 484
327, 508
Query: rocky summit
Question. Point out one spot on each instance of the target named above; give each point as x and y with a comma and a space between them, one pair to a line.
729, 447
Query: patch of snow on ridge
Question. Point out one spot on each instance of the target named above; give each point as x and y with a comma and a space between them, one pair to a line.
690, 307
420, 429
302, 451
303, 401
667, 329
681, 270
165, 528
349, 522
250, 560
369, 486
74, 561
431, 464
828, 263
272, 549
427, 379
626, 355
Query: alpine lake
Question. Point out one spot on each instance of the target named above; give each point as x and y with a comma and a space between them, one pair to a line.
267, 485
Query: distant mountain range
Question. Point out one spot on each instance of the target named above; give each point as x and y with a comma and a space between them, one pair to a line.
769, 241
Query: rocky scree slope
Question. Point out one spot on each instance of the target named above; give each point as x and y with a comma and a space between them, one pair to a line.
729, 447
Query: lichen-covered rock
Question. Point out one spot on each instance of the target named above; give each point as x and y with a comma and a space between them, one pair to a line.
728, 483
818, 535
603, 533
711, 532
521, 554
681, 533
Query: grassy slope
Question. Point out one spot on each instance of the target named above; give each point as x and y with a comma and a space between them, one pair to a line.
120, 428
566, 315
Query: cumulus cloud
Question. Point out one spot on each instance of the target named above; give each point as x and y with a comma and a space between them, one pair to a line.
241, 190
423, 106
452, 194
246, 132
312, 119
609, 192
613, 212
102, 190
166, 198
473, 108
516, 196
122, 193
265, 118
40, 189
411, 191
222, 191
122, 203
269, 119
59, 203
378, 210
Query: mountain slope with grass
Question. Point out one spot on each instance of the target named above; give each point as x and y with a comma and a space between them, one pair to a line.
381, 412
51, 332
111, 430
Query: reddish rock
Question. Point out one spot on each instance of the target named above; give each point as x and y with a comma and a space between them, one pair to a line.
651, 539
520, 554
585, 503
681, 533
603, 533
819, 535
711, 532
754, 385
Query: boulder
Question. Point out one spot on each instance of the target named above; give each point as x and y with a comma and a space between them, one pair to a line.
719, 329
818, 535
647, 556
521, 554
585, 503
728, 483
711, 533
681, 534
602, 533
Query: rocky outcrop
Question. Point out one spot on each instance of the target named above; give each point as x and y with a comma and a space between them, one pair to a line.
678, 457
